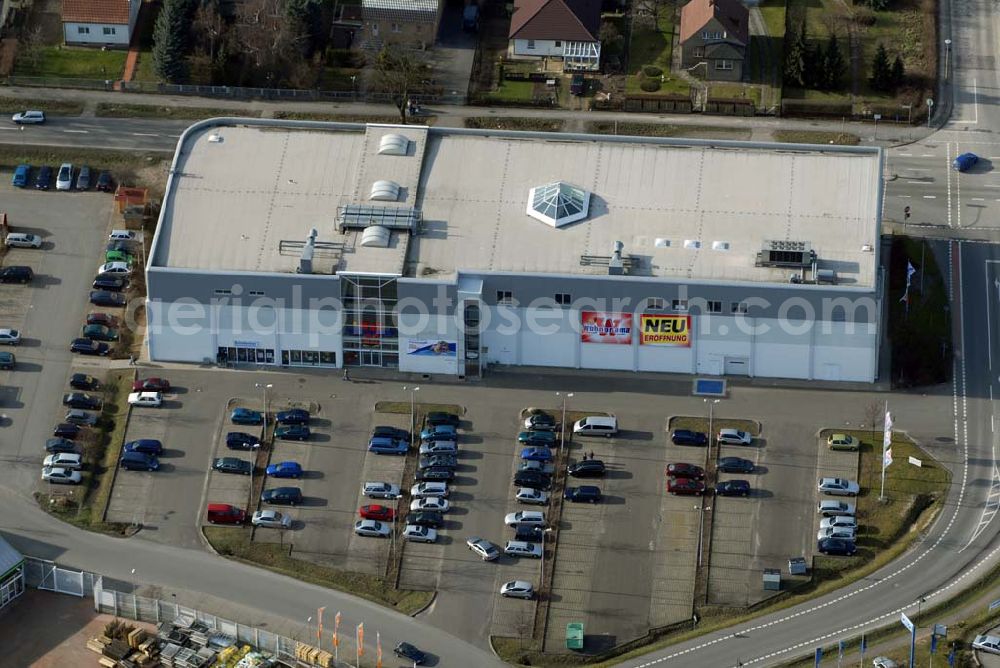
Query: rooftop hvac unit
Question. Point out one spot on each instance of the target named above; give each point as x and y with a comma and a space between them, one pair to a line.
616, 267
384, 191
393, 144
786, 254
375, 236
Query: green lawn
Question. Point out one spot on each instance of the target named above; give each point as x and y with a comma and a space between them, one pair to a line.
110, 110
72, 62
339, 78
515, 91
144, 71
666, 130
654, 48
815, 137
773, 12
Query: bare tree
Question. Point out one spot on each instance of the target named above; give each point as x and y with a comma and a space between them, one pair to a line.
209, 29
31, 46
873, 418
271, 44
399, 73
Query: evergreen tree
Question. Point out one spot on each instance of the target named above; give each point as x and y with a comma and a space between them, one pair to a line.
833, 65
881, 77
896, 73
169, 40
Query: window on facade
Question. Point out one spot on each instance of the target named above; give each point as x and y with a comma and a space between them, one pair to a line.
395, 27
655, 303
220, 291
679, 304
505, 297
724, 65
698, 52
531, 44
713, 306
375, 29
558, 44
739, 307
256, 293
563, 298
109, 30
82, 30
713, 34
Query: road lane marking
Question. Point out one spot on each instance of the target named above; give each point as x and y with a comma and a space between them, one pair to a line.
905, 196
978, 199
905, 155
930, 196
916, 183
927, 155
79, 132
143, 134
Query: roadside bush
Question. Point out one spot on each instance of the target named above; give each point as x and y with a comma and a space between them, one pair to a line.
650, 85
651, 71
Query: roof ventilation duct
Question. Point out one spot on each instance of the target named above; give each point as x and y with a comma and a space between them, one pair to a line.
306, 259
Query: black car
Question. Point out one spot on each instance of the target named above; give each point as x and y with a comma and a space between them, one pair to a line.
66, 430
437, 461
733, 488
583, 493
81, 417
391, 432
83, 180
105, 298
232, 465
109, 282
688, 437
529, 533
735, 465
88, 347
405, 650
435, 418
425, 518
577, 85
436, 473
292, 432
82, 381
238, 440
81, 400
837, 546
540, 422
588, 468
104, 183
56, 445
293, 416
282, 496
44, 180
532, 479
16, 274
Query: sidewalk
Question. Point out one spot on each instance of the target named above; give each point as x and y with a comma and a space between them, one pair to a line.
889, 134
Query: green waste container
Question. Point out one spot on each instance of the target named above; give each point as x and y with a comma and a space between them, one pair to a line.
574, 635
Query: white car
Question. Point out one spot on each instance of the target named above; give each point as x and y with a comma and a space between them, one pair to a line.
272, 519
372, 528
847, 533
380, 490
149, 399
114, 268
521, 548
28, 117
517, 589
420, 534
838, 486
121, 235
437, 447
64, 460
525, 518
437, 503
735, 437
884, 662
64, 177
61, 476
484, 548
429, 488
10, 337
839, 521
535, 497
831, 507
22, 240
987, 643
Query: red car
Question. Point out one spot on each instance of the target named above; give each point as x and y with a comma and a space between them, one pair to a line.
682, 470
102, 319
376, 512
685, 486
151, 385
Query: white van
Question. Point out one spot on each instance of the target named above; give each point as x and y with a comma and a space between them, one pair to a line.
121, 235
597, 425
22, 240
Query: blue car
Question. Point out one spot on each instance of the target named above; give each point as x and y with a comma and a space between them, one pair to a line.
238, 440
965, 162
149, 446
383, 445
21, 176
246, 416
293, 416
292, 432
439, 432
285, 470
536, 454
44, 180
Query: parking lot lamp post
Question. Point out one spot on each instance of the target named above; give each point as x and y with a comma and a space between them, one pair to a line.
562, 422
413, 413
711, 415
264, 388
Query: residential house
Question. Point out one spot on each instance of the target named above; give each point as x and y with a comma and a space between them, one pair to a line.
715, 35
409, 23
562, 29
99, 22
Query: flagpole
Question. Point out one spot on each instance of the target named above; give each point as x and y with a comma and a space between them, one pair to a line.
881, 493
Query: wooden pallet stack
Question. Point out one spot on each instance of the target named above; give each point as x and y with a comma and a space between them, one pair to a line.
125, 646
313, 656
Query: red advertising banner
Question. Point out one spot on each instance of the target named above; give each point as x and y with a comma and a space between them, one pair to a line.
603, 327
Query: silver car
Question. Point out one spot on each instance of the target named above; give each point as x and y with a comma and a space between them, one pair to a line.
735, 437
10, 337
987, 643
484, 548
380, 490
838, 486
535, 497
272, 519
517, 589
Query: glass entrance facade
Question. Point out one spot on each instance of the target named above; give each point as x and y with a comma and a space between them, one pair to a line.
371, 334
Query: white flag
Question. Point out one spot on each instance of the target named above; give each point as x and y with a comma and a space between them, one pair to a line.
887, 458
887, 437
910, 271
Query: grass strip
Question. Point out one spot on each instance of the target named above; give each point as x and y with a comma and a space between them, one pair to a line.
632, 129
816, 137
12, 105
348, 118
514, 123
114, 110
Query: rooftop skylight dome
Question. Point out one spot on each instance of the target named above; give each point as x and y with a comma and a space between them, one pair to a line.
558, 203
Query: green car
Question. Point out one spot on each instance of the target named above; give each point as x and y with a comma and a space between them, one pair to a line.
99, 333
118, 256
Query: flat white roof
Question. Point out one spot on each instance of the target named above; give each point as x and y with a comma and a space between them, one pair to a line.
682, 210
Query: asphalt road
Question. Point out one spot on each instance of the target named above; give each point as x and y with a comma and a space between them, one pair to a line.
137, 134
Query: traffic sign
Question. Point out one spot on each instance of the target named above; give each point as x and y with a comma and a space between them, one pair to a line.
995, 604
906, 622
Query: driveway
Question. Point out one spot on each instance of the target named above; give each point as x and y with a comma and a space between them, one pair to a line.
453, 53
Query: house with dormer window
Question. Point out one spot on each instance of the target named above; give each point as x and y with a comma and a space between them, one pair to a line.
714, 37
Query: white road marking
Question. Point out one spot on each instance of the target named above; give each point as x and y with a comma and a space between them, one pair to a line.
930, 196
927, 155
143, 134
915, 183
978, 199
905, 155
10, 129
79, 132
905, 196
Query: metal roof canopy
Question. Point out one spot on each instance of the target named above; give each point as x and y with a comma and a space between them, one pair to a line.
9, 558
360, 216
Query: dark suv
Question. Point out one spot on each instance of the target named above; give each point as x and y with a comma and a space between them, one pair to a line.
282, 496
688, 437
532, 479
425, 518
588, 468
435, 473
16, 274
435, 418
584, 493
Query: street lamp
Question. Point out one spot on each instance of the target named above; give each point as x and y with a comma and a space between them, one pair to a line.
562, 423
947, 56
711, 414
264, 388
413, 391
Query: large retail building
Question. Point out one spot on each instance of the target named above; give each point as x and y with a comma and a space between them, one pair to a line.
440, 250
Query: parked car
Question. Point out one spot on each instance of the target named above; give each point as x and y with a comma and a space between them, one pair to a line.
577, 84
405, 650
532, 517
987, 643
831, 507
965, 162
30, 117
83, 178
520, 548
534, 497
121, 235
283, 496
682, 470
22, 175
884, 662
734, 437
435, 503
82, 381
7, 361
419, 533
22, 240
688, 437
588, 468
54, 445
99, 333
292, 432
838, 486
517, 589
271, 519
439, 432
529, 532
64, 460
104, 182
232, 465
81, 417
535, 465
238, 440
735, 465
9, 337
224, 513
16, 274
66, 430
427, 489
486, 550
82, 400
106, 298
375, 511
427, 518
542, 438
532, 479
115, 268
536, 454
44, 179
293, 416
842, 442
145, 399
64, 178
119, 255
438, 447
89, 347
391, 432
138, 461
435, 418
246, 416
384, 445
380, 490
284, 470
150, 446
839, 521
58, 476
151, 385
733, 488
372, 528
446, 460
836, 546
105, 319
438, 473
111, 282
583, 493
540, 422
685, 486
847, 533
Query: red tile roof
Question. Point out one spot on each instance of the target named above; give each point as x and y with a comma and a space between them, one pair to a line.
569, 20
96, 11
732, 14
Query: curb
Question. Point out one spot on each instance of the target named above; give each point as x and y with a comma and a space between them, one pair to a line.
429, 604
